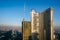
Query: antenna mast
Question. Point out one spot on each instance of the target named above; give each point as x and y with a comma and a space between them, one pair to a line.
24, 7
24, 10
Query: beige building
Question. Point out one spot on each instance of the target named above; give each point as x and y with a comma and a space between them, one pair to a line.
34, 22
26, 29
43, 24
49, 24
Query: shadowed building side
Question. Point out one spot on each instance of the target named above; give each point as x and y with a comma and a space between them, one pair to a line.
41, 26
48, 24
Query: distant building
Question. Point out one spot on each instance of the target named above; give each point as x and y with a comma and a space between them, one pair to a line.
26, 29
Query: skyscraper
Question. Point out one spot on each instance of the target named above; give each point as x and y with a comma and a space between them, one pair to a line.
48, 24
42, 23
34, 22
26, 29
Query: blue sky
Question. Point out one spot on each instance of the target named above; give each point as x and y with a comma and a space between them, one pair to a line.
12, 11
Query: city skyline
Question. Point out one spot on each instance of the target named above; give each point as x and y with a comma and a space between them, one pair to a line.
12, 11
41, 24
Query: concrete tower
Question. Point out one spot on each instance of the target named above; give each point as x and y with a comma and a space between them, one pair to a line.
43, 24
34, 22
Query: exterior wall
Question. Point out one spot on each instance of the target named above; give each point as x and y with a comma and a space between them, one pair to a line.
45, 26
34, 22
41, 26
48, 24
52, 24
26, 29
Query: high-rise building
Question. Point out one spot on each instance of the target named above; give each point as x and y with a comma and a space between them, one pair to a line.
26, 29
48, 24
42, 23
34, 22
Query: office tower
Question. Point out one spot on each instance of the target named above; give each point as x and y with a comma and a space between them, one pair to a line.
34, 25
49, 24
46, 24
37, 24
43, 24
26, 29
34, 22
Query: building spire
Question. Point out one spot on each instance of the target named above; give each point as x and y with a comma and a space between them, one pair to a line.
24, 10
24, 7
